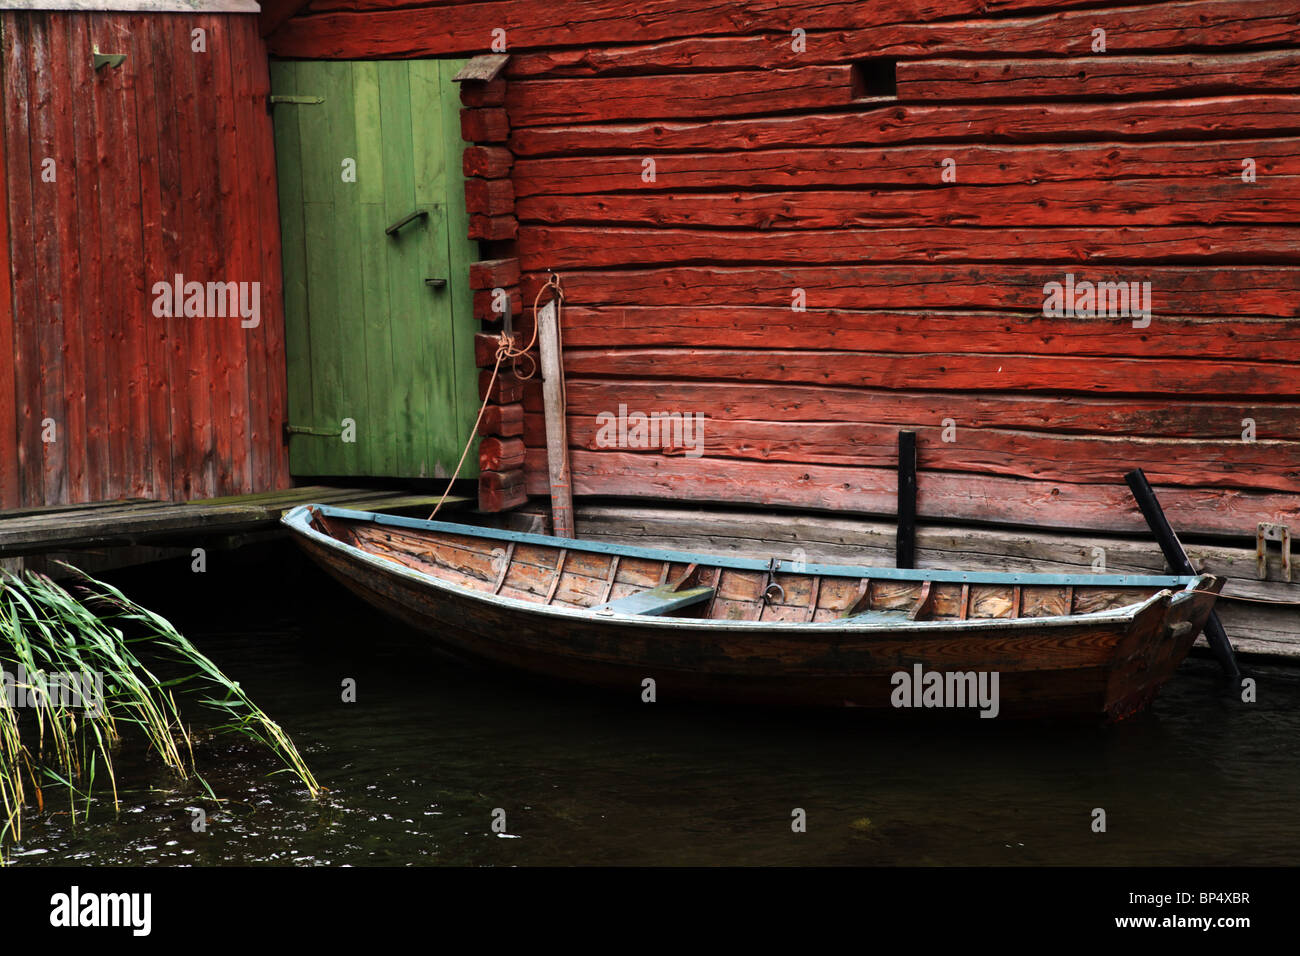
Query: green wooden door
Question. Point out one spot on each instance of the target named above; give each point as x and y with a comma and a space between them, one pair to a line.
379, 327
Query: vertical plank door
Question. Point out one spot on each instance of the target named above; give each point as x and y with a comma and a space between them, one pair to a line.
378, 310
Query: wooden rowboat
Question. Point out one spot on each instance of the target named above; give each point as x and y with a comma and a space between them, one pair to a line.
764, 632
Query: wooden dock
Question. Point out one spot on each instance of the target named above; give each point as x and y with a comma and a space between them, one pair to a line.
130, 523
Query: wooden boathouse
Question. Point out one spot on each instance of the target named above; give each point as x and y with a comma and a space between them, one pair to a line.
1055, 239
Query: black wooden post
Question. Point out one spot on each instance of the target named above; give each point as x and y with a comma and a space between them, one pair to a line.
1178, 560
905, 548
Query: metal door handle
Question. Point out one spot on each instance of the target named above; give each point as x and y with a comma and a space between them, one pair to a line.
435, 283
409, 218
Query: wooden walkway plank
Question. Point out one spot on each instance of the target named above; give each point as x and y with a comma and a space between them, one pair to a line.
35, 530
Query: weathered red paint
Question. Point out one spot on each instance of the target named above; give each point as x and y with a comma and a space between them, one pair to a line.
923, 295
164, 165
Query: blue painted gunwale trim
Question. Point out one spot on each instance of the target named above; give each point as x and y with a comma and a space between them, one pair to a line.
299, 517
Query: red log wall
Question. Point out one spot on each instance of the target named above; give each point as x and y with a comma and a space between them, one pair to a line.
164, 165
774, 171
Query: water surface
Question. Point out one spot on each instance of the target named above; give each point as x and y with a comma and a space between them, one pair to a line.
416, 767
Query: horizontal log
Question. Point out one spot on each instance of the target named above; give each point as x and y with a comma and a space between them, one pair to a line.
781, 328
487, 125
489, 197
1267, 291
561, 247
494, 273
1120, 202
489, 162
940, 495
504, 420
478, 93
1157, 417
370, 29
1131, 28
1199, 118
506, 390
1025, 166
1262, 465
500, 491
1196, 74
1258, 630
486, 345
501, 454
274, 13
489, 228
566, 102
533, 400
842, 539
952, 371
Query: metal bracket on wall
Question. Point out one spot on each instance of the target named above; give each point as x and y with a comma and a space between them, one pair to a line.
1265, 533
272, 100
110, 60
290, 430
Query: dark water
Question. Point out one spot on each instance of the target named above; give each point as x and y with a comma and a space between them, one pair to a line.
417, 766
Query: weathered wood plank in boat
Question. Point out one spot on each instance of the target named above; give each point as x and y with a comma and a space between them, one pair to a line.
655, 601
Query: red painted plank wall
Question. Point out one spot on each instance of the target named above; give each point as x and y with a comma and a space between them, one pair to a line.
693, 169
114, 180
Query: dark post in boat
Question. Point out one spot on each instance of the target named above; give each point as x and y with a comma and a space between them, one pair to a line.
1215, 635
905, 549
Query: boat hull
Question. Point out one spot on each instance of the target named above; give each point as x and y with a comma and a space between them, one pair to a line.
1107, 665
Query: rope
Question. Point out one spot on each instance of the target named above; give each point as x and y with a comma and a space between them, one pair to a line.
507, 351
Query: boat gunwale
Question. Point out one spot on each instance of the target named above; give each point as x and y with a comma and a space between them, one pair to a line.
299, 520
757, 564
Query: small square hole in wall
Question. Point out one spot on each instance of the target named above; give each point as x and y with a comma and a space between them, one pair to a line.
874, 78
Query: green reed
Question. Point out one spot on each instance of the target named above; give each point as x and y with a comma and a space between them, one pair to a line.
44, 629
